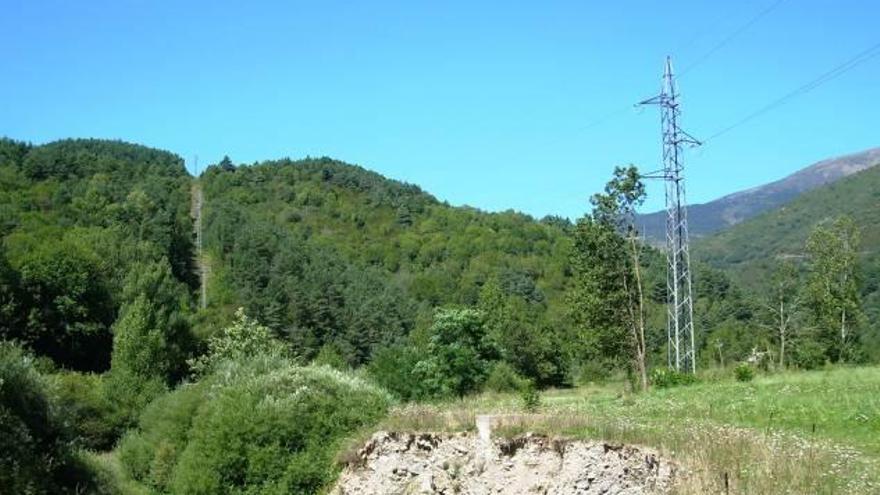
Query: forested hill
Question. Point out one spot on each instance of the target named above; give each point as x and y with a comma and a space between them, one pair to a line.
749, 251
334, 255
328, 255
77, 219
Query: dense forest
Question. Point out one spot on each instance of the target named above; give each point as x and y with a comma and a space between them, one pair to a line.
77, 218
332, 294
332, 256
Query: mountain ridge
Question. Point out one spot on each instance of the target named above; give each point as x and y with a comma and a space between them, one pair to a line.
731, 209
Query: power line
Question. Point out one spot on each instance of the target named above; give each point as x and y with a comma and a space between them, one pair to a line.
699, 33
620, 111
825, 77
721, 44
605, 118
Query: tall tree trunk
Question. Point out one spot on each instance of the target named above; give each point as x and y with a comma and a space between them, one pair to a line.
782, 329
639, 321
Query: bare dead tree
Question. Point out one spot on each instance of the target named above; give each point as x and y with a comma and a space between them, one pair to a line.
783, 305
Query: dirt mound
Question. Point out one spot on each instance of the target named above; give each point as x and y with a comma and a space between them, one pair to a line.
398, 463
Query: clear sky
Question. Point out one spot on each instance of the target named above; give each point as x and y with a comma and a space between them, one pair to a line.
493, 104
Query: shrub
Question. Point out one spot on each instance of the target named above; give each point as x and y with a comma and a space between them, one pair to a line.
127, 395
666, 378
263, 423
90, 413
743, 372
807, 355
392, 368
243, 339
330, 355
105, 477
503, 378
35, 453
590, 372
531, 398
150, 453
457, 355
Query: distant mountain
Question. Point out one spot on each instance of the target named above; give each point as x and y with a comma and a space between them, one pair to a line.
707, 218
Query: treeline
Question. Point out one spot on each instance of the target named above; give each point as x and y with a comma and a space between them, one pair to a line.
808, 313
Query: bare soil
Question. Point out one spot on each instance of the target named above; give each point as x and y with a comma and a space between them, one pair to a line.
467, 463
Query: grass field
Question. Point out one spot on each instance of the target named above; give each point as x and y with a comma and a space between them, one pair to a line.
798, 432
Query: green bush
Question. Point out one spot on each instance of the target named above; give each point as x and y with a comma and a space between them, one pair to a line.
588, 372
150, 452
246, 337
90, 413
743, 372
330, 355
35, 452
530, 396
457, 355
257, 425
503, 378
128, 394
106, 477
392, 368
807, 355
666, 378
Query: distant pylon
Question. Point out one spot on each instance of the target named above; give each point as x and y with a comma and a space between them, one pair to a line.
198, 201
681, 348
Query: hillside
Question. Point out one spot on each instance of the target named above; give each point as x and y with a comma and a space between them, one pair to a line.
331, 254
748, 251
707, 218
339, 259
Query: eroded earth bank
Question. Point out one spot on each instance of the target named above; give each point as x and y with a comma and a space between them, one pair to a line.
467, 463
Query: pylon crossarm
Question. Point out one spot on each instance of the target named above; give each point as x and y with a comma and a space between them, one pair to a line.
689, 139
656, 100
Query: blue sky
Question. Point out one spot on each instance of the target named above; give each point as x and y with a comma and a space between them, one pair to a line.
481, 103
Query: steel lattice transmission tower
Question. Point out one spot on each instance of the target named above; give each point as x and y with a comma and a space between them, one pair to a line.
681, 350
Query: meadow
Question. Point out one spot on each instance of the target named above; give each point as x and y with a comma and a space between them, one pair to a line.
792, 432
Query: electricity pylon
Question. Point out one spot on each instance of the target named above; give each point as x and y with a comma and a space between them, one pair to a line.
681, 349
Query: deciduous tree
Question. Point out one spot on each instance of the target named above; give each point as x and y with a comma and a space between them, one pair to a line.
833, 286
609, 299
